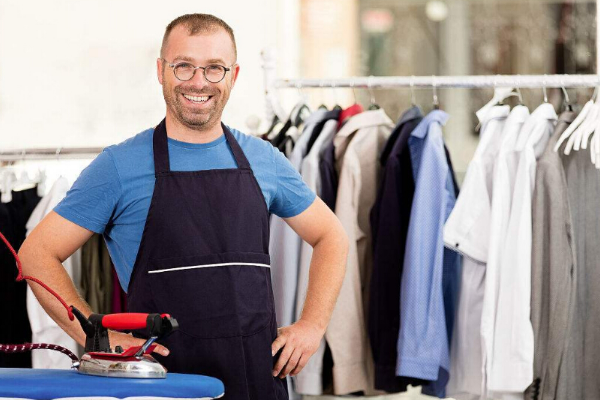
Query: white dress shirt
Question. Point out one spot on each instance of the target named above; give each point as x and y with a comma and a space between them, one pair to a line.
505, 167
467, 231
512, 357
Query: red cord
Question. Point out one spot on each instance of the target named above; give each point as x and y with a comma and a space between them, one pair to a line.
20, 277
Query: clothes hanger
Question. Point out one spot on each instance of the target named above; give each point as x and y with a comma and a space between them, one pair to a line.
578, 121
335, 101
584, 130
373, 105
322, 106
413, 100
436, 101
353, 91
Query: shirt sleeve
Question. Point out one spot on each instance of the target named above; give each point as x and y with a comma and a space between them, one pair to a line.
293, 196
92, 199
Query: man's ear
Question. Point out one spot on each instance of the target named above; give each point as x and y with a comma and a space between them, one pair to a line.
234, 73
159, 70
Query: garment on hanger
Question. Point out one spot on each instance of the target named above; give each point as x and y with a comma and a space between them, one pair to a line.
96, 275
553, 276
357, 147
309, 380
43, 328
13, 218
389, 225
467, 232
327, 164
430, 274
581, 357
284, 245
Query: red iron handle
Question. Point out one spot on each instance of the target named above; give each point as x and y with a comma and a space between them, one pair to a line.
125, 321
128, 321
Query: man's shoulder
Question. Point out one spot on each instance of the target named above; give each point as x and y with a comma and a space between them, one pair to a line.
142, 141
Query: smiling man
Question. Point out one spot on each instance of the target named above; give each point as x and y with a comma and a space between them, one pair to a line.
184, 208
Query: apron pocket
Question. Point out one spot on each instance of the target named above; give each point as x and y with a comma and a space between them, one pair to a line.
216, 296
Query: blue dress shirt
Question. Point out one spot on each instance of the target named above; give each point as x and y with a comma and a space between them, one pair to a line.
430, 276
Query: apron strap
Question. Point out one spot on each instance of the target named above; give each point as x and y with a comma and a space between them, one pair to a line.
238, 154
161, 149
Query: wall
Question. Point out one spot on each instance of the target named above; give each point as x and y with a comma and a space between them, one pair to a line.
82, 73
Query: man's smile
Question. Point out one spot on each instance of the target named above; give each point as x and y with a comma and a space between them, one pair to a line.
197, 99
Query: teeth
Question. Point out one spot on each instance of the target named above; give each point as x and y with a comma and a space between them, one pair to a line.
196, 98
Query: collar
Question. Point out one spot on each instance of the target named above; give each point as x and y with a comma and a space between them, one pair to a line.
494, 112
412, 113
365, 120
438, 116
543, 114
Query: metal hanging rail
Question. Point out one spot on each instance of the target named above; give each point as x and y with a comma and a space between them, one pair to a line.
50, 153
468, 82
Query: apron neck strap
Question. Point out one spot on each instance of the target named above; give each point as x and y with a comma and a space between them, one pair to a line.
161, 149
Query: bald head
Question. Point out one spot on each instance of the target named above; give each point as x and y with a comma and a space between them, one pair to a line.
198, 24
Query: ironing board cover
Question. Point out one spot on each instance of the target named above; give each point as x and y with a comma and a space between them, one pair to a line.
42, 384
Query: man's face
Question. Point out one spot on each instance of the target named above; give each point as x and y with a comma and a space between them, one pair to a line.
199, 50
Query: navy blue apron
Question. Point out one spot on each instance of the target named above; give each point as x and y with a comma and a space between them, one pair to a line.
204, 259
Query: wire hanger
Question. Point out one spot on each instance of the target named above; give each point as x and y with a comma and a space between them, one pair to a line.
413, 100
353, 90
337, 105
568, 106
436, 102
544, 89
373, 105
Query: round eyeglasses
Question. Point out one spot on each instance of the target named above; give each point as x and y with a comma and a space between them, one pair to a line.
184, 71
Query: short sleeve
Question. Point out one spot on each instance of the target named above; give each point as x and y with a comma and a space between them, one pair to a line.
293, 196
92, 199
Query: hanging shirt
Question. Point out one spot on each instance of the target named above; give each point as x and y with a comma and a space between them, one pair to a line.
467, 231
43, 328
327, 167
310, 380
581, 358
511, 366
553, 275
505, 168
357, 147
112, 195
423, 342
284, 244
389, 224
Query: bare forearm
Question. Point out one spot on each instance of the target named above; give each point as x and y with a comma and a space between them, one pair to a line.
48, 269
327, 269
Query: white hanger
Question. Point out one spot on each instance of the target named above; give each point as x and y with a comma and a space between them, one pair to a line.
584, 130
575, 124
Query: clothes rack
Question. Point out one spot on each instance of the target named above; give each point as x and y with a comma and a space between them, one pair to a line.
49, 153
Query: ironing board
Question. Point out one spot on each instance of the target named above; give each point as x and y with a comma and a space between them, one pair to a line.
42, 384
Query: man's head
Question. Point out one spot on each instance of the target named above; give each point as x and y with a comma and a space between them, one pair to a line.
200, 40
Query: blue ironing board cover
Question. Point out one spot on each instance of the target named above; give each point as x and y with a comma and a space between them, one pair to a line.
42, 384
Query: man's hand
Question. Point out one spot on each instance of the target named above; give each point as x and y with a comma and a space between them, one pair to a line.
299, 342
126, 340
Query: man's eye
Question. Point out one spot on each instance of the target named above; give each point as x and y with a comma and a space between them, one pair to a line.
184, 66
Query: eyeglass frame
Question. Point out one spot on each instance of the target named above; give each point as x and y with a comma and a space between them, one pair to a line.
173, 65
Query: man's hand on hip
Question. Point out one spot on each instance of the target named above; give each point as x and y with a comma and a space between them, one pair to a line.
297, 342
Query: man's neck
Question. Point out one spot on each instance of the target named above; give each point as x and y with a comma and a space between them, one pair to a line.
176, 130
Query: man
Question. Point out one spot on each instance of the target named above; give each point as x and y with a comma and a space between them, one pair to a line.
184, 209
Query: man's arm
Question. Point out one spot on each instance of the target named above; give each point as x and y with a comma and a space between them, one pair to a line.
54, 240
320, 228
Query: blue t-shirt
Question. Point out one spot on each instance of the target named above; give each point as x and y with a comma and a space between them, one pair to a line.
112, 195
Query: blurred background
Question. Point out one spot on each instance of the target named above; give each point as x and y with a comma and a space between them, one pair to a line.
82, 73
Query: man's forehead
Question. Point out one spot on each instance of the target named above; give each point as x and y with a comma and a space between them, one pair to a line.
204, 47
